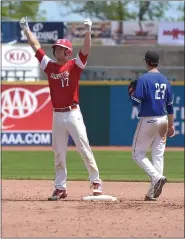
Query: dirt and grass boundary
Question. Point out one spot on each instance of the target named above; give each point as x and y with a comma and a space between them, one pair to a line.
71, 148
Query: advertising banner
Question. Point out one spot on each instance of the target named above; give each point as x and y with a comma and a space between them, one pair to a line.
114, 32
171, 33
100, 33
19, 63
103, 33
128, 32
26, 115
46, 32
8, 31
124, 118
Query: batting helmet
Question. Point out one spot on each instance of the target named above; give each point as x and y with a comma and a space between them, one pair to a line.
64, 43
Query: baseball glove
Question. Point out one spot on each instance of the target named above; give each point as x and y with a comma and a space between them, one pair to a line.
132, 87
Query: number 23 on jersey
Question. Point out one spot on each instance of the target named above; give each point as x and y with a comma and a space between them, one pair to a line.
160, 91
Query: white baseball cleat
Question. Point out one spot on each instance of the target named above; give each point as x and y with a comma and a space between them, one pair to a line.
97, 189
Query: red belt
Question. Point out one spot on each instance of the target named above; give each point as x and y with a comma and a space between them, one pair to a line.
66, 109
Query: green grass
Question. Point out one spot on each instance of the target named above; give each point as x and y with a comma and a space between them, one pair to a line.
113, 166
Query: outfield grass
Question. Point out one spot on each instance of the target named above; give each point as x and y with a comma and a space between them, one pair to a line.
113, 166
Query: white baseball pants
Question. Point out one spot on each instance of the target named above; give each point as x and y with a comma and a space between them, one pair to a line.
65, 123
150, 132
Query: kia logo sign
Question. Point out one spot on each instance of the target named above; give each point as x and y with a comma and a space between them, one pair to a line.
17, 56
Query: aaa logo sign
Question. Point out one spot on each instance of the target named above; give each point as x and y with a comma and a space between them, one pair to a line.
26, 108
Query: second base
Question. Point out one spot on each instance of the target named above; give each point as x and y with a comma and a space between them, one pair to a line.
99, 198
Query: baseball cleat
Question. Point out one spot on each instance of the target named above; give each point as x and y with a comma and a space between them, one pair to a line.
97, 189
147, 198
58, 194
158, 187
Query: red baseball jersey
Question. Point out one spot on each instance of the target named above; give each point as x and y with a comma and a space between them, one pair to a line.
63, 80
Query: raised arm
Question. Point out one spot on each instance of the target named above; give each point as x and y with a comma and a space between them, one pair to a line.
81, 59
33, 42
87, 40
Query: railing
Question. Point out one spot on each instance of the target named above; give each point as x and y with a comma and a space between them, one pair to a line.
125, 72
20, 74
93, 73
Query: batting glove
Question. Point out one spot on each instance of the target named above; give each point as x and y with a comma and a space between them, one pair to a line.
88, 24
24, 24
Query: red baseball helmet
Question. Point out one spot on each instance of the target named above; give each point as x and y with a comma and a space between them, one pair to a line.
64, 43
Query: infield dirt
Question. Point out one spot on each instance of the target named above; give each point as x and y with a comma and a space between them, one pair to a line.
27, 213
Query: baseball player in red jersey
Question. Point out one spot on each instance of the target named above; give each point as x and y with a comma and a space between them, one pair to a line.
63, 77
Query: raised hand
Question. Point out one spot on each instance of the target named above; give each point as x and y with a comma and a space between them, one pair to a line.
88, 24
24, 24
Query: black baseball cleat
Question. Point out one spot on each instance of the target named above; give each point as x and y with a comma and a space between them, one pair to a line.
147, 198
158, 187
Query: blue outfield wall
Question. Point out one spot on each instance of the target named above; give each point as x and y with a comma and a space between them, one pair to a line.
123, 117
109, 117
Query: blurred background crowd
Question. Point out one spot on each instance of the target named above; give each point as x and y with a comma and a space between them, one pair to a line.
122, 32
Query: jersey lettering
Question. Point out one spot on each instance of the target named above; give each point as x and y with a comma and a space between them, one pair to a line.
63, 76
160, 91
65, 79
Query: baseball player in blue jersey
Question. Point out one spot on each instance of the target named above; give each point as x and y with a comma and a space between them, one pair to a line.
153, 96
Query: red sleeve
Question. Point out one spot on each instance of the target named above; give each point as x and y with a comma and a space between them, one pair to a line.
40, 54
43, 59
81, 60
